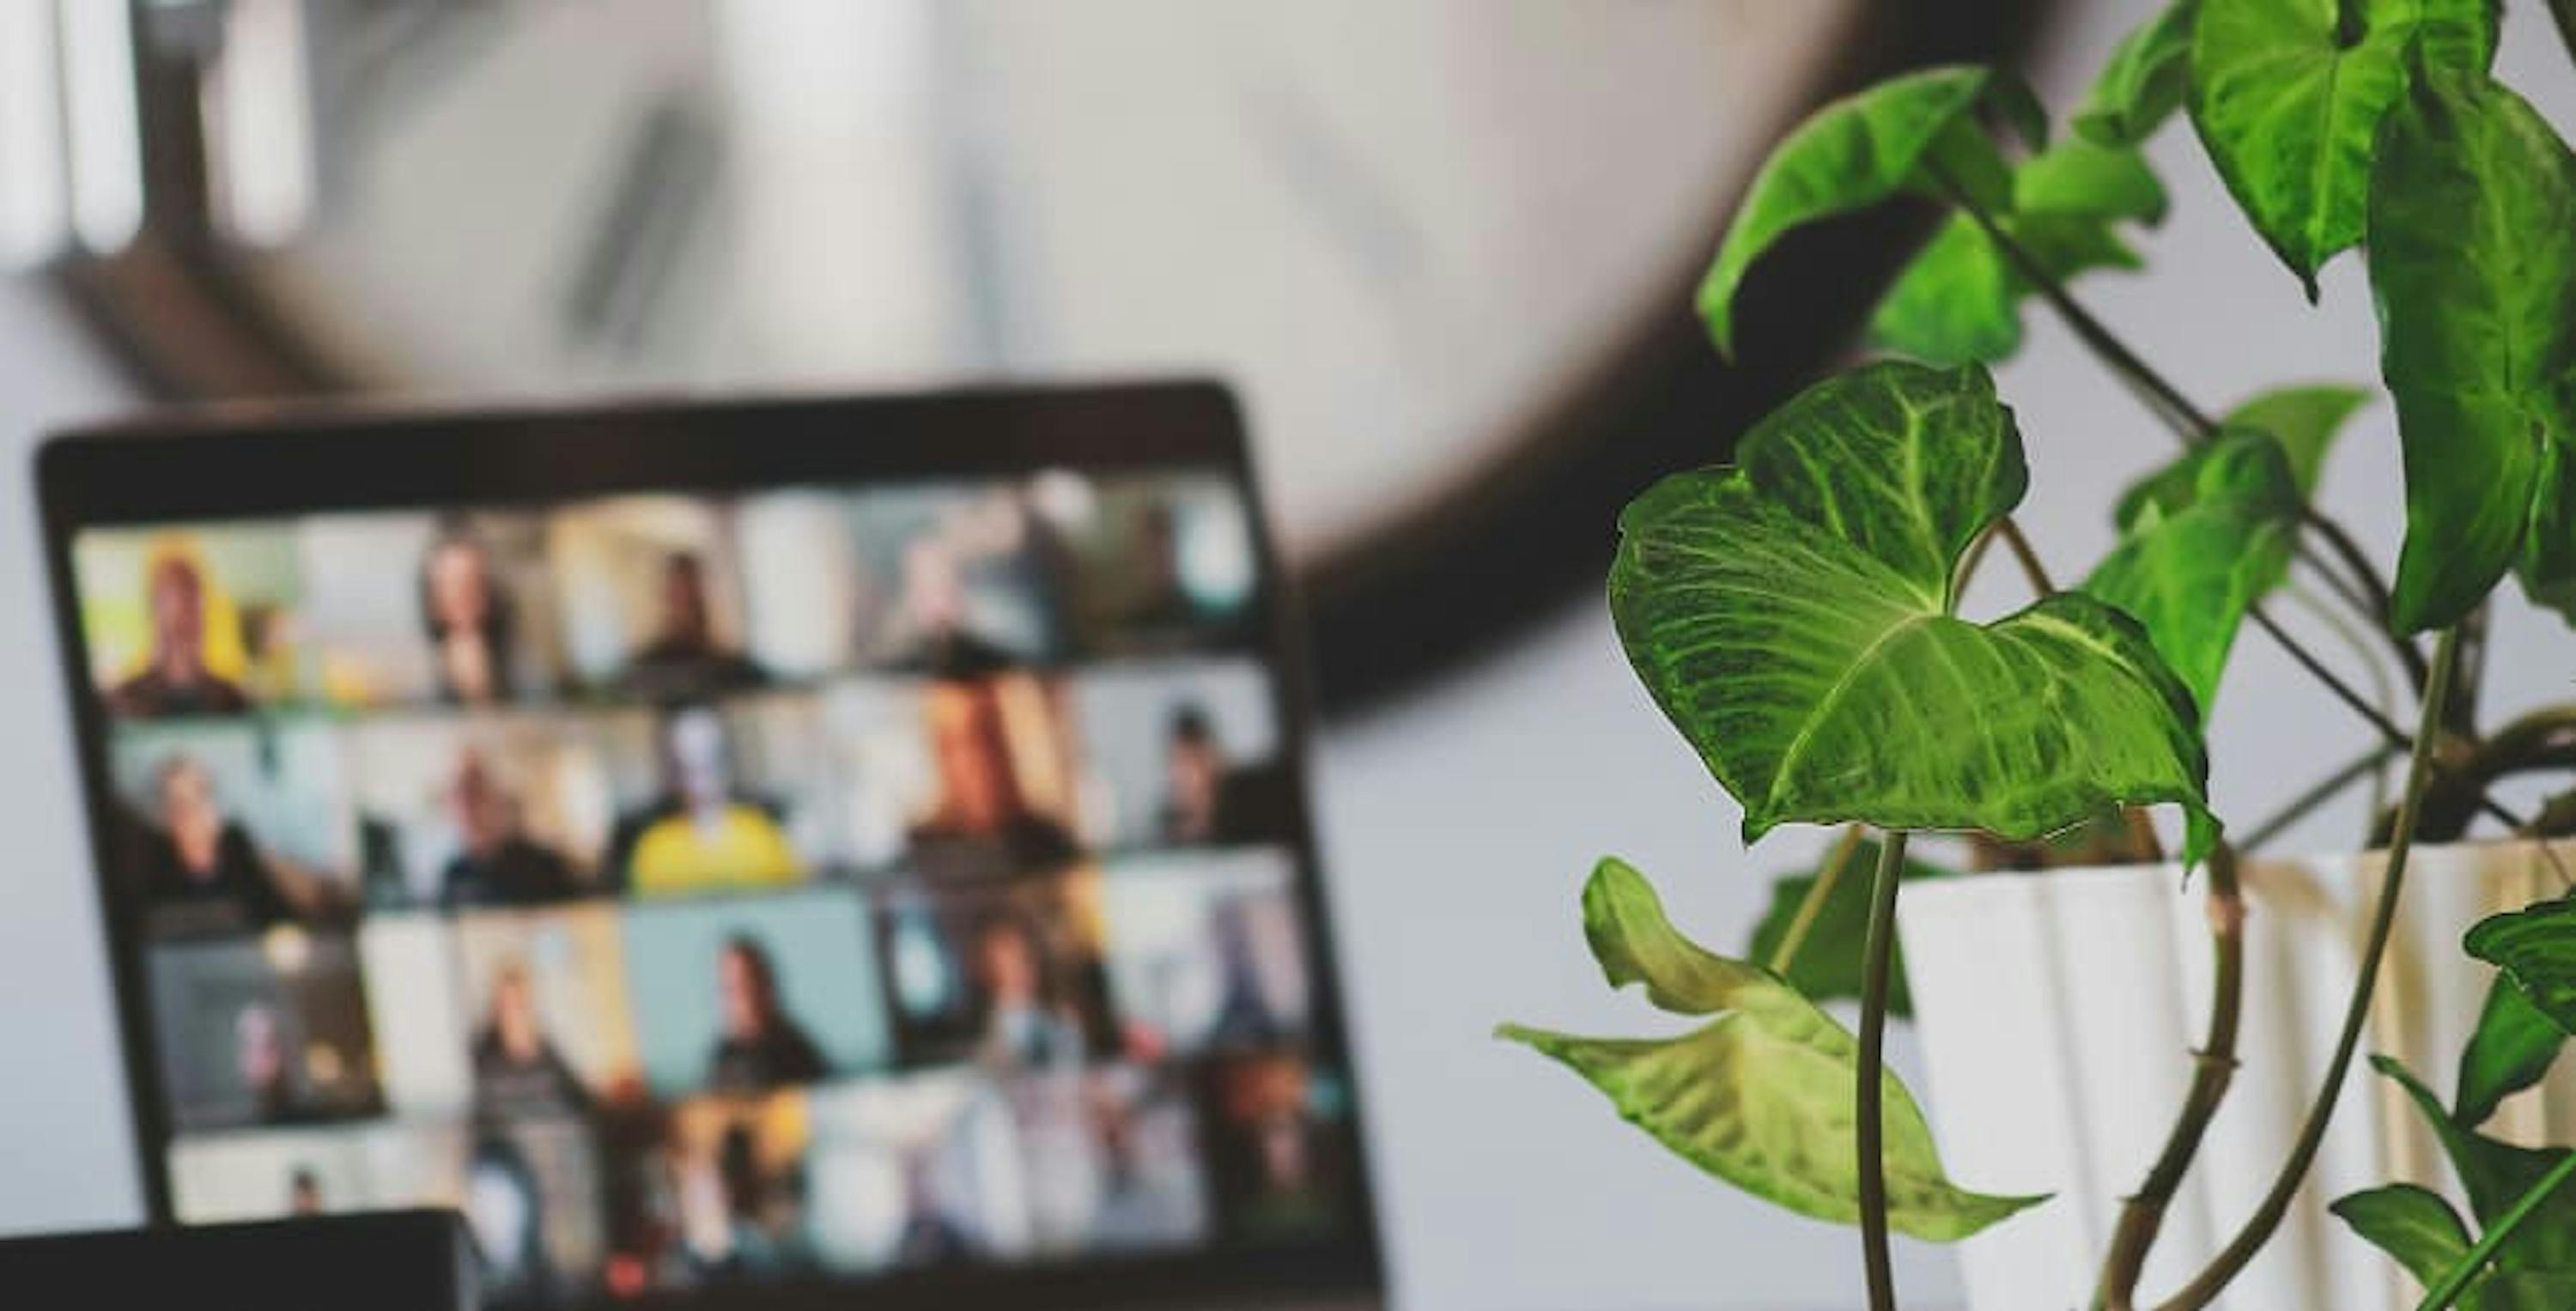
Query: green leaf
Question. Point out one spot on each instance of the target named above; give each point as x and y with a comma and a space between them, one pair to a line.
1794, 617
2496, 1174
2305, 420
1828, 964
2143, 84
2547, 565
2197, 555
2565, 12
2288, 108
2512, 1048
1762, 1096
2536, 949
2412, 1224
2521, 1290
2473, 264
2081, 177
1850, 154
1959, 301
2015, 104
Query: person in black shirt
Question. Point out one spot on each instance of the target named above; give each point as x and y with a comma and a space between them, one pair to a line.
516, 1067
201, 873
498, 864
176, 682
762, 1046
683, 660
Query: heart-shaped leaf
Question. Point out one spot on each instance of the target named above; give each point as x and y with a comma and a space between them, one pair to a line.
1853, 153
2511, 1049
2473, 264
2535, 947
2412, 1224
2287, 96
1829, 960
2304, 419
2077, 177
2495, 1175
2197, 555
1794, 617
1959, 300
1761, 1096
2143, 84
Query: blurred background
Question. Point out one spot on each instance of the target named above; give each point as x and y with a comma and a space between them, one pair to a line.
1443, 248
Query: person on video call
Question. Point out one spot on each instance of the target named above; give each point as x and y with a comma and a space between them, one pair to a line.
303, 1192
261, 1062
176, 681
1194, 774
201, 872
683, 658
930, 632
702, 834
516, 1067
467, 617
1023, 1027
980, 805
498, 864
762, 1047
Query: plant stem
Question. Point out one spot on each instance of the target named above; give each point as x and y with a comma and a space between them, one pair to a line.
1813, 904
1875, 973
2189, 422
2027, 558
2361, 706
2327, 790
2142, 1216
2441, 1294
2276, 1203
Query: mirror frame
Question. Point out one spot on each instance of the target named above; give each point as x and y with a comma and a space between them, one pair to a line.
1444, 583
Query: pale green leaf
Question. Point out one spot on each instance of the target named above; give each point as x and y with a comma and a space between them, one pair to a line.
2511, 1049
2496, 1174
2143, 83
1829, 960
1624, 922
1959, 301
2191, 570
2535, 947
2081, 177
1794, 617
2305, 420
1850, 154
2288, 103
2473, 264
2413, 1225
1762, 1096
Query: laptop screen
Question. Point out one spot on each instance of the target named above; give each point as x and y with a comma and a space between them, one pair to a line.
883, 875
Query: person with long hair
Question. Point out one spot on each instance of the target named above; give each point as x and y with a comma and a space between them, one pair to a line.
467, 617
761, 1046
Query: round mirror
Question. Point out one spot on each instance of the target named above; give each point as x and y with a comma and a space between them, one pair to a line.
1419, 238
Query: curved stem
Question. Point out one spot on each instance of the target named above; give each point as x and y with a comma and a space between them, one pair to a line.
1875, 973
1813, 904
2142, 1216
2276, 1203
2189, 422
2475, 1259
2023, 555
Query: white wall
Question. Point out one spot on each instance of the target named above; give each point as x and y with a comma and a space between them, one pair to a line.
65, 1154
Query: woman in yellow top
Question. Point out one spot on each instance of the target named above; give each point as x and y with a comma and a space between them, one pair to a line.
707, 839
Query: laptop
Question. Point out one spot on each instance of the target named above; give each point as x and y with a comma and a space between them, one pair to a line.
394, 1261
776, 853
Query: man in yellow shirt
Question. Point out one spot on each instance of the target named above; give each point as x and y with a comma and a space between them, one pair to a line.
707, 838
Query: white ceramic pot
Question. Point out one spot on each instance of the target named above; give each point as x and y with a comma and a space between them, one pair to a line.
2057, 1010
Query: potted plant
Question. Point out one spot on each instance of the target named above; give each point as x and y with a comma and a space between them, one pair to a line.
1796, 615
